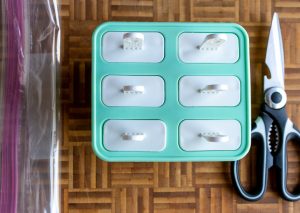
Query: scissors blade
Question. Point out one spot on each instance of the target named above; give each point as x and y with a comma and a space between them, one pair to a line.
275, 56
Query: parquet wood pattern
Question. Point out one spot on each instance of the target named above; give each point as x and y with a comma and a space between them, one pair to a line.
91, 185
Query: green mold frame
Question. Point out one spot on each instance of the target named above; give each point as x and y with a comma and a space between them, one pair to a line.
171, 69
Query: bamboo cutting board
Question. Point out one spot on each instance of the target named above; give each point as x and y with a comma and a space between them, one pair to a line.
91, 185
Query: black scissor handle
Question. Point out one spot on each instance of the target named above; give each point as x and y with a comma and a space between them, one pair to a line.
259, 134
290, 133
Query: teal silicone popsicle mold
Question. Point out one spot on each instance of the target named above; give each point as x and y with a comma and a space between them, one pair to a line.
171, 69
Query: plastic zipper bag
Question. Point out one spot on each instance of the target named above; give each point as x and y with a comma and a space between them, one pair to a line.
29, 112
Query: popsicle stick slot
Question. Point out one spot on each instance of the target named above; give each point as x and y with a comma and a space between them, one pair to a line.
213, 42
214, 88
131, 89
133, 41
133, 136
214, 137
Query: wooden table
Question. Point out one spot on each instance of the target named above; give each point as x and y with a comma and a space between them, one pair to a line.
91, 185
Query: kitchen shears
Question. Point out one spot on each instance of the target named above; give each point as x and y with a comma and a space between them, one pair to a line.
272, 151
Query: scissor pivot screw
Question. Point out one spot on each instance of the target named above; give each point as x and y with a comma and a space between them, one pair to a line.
275, 98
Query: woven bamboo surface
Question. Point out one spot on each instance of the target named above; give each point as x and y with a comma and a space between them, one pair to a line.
91, 185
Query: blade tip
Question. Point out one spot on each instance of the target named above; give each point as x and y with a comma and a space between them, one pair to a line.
275, 16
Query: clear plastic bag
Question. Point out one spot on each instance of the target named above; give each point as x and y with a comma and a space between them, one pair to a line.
29, 106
